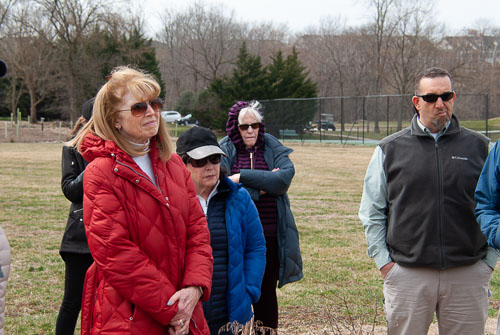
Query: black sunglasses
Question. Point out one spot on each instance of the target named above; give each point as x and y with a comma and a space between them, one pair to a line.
433, 97
140, 108
245, 126
198, 163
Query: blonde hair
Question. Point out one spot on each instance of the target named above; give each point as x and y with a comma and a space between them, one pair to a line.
80, 123
254, 109
123, 80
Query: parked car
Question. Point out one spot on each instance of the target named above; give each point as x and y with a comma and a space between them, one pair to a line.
185, 119
171, 116
326, 122
328, 125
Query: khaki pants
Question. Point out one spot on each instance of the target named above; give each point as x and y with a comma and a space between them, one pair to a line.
458, 296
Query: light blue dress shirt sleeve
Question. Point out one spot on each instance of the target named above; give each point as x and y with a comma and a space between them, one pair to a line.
372, 211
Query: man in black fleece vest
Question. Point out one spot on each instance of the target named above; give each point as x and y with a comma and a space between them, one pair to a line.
418, 213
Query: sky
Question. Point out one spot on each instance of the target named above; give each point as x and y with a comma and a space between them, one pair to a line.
299, 14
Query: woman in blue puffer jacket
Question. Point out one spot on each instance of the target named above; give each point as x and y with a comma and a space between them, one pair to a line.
236, 235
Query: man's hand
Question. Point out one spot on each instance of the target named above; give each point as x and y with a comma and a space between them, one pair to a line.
384, 270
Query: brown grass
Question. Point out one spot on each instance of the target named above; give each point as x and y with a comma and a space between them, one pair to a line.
341, 289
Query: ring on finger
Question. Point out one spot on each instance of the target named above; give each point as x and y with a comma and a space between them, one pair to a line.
181, 322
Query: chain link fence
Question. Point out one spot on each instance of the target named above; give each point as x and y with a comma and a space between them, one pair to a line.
365, 119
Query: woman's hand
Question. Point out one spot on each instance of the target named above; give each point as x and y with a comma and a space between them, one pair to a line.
186, 299
235, 178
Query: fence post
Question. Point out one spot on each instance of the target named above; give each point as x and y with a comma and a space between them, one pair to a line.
400, 114
387, 116
319, 122
59, 135
341, 118
486, 102
29, 121
364, 116
5, 124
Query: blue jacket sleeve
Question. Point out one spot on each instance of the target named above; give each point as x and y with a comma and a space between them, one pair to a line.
487, 198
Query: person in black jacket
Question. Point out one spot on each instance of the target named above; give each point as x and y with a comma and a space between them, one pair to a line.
417, 209
74, 248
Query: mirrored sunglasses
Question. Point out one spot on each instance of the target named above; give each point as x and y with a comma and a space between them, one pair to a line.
433, 97
140, 108
246, 126
197, 163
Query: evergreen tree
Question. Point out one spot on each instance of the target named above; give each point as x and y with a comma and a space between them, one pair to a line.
284, 78
249, 79
288, 79
131, 49
139, 51
248, 82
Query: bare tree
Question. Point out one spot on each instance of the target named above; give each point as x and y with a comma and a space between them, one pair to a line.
474, 64
73, 21
379, 33
201, 42
266, 39
5, 7
30, 56
339, 52
168, 51
411, 47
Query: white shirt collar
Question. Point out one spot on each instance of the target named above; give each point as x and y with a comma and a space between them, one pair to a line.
203, 202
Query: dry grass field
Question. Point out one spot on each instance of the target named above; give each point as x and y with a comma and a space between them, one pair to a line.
341, 289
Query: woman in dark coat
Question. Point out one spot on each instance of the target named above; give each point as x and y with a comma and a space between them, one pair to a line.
74, 248
261, 163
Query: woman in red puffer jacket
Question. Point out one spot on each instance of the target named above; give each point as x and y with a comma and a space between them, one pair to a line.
144, 224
